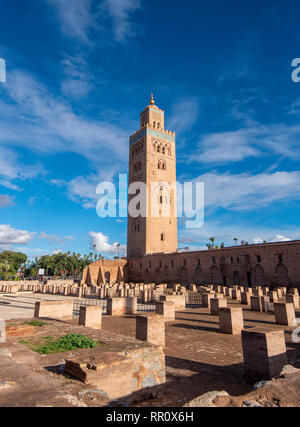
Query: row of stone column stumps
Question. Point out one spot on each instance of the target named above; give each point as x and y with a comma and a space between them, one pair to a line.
264, 350
150, 327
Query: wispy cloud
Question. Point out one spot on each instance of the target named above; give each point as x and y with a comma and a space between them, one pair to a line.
184, 115
78, 81
11, 168
75, 17
54, 238
82, 189
53, 127
78, 18
248, 192
120, 11
294, 108
257, 141
5, 200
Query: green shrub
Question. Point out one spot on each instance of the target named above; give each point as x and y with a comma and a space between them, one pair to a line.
63, 344
36, 323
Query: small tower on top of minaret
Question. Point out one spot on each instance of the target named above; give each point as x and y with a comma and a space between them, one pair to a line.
152, 116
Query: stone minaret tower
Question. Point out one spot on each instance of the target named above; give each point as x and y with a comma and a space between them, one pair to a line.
152, 161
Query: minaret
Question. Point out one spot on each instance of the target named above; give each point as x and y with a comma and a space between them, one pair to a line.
152, 161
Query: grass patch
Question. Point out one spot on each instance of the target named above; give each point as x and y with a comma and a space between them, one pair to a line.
50, 345
36, 323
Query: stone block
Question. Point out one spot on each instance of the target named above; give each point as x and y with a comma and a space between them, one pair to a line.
264, 353
91, 316
179, 301
110, 372
273, 296
166, 309
216, 304
260, 304
245, 298
236, 295
284, 313
206, 298
116, 307
231, 320
151, 328
54, 309
294, 299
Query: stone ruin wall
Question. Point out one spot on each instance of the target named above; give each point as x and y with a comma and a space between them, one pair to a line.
273, 264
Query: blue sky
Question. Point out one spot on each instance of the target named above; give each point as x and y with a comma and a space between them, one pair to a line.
78, 74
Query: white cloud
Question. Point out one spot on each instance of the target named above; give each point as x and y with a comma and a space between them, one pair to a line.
57, 251
78, 80
12, 236
119, 11
294, 108
53, 127
256, 141
102, 243
10, 166
82, 190
183, 115
7, 184
248, 192
257, 240
75, 17
280, 238
54, 238
277, 238
78, 18
5, 200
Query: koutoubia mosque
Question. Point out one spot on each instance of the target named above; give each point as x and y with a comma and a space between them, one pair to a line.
152, 245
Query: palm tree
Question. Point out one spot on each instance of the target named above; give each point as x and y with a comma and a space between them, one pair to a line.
118, 246
236, 240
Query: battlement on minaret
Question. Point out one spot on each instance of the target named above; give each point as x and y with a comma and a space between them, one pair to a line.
163, 133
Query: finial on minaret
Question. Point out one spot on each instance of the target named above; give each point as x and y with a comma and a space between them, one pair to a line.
152, 99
